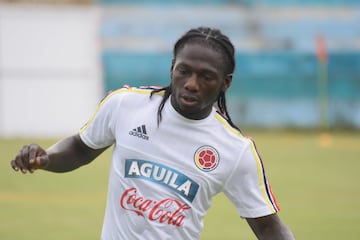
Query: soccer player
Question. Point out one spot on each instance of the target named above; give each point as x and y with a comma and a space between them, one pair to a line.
174, 149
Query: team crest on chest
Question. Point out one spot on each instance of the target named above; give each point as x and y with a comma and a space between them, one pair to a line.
206, 158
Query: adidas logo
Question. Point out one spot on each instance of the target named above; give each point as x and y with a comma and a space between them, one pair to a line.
139, 132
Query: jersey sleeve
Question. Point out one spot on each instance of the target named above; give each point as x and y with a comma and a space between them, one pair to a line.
247, 187
99, 131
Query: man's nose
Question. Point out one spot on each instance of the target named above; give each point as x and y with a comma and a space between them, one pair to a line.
192, 83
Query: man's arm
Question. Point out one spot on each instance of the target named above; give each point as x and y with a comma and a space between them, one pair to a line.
270, 228
65, 155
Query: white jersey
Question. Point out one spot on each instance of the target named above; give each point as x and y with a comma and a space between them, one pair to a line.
163, 176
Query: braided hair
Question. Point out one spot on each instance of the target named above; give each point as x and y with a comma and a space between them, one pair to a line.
216, 40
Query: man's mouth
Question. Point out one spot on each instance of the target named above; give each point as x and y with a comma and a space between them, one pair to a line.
189, 100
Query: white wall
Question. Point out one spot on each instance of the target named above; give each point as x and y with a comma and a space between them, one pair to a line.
50, 69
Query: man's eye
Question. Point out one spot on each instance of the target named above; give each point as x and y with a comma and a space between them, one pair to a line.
207, 77
182, 71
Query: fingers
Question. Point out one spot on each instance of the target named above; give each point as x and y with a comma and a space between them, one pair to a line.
14, 165
39, 162
17, 164
29, 158
24, 155
32, 150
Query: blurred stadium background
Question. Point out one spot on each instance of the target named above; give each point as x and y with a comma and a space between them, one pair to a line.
298, 62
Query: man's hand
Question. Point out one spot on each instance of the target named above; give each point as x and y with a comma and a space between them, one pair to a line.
30, 158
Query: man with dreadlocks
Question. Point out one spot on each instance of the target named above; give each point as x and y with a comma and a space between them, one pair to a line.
174, 149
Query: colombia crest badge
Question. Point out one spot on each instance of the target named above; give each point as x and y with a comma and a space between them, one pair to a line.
206, 158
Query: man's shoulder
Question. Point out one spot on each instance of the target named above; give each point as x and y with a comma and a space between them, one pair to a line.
145, 90
142, 89
227, 127
128, 91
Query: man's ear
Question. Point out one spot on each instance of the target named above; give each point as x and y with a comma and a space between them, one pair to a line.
172, 68
227, 82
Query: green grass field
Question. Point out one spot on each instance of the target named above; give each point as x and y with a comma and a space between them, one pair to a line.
314, 177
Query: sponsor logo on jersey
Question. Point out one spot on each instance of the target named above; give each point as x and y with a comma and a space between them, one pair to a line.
206, 158
162, 175
139, 132
166, 211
